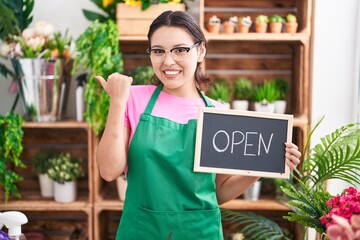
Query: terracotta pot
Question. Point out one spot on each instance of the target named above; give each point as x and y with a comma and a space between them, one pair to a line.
276, 27
243, 29
291, 27
229, 27
261, 27
214, 28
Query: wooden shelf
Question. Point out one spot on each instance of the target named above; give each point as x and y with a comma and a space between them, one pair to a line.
62, 124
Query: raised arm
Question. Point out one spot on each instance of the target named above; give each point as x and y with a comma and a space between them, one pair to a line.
111, 155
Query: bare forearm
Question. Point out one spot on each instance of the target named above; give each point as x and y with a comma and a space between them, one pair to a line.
231, 186
112, 151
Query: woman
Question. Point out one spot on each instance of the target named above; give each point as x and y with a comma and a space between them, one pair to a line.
150, 130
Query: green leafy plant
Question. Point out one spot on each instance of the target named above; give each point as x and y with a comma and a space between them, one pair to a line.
282, 86
335, 157
11, 135
253, 226
262, 19
142, 75
266, 92
41, 161
220, 91
276, 18
242, 89
64, 168
98, 52
290, 18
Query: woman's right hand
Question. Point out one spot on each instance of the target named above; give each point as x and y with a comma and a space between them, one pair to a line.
117, 87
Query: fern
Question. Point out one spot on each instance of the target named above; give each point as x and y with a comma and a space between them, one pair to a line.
252, 226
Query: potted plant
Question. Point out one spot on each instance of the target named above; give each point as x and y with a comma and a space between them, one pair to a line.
244, 24
276, 23
142, 75
98, 52
11, 135
220, 91
65, 171
264, 96
214, 24
242, 89
40, 163
283, 88
291, 24
230, 24
261, 23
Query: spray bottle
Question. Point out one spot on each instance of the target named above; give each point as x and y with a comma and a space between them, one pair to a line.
81, 79
13, 221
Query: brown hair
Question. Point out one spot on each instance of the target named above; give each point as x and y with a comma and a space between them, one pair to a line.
187, 22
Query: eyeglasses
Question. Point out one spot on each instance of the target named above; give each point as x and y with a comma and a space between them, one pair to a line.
178, 54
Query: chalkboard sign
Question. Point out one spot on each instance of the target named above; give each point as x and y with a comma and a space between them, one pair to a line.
242, 142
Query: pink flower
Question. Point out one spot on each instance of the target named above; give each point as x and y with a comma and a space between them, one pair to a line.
343, 230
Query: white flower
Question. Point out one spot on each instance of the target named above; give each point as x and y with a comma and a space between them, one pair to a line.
4, 49
28, 33
43, 29
35, 42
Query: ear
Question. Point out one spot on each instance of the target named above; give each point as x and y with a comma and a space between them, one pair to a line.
202, 51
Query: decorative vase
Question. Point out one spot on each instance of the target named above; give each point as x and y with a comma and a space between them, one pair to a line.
65, 192
43, 86
121, 184
46, 185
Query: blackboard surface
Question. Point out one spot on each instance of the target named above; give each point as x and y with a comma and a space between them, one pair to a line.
242, 142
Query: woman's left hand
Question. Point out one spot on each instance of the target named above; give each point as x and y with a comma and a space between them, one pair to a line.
292, 155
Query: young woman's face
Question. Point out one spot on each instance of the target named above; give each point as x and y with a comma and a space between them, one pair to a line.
175, 69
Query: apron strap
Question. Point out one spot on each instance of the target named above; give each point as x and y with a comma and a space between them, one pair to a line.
156, 93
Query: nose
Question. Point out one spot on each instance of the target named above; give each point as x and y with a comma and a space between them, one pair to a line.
168, 59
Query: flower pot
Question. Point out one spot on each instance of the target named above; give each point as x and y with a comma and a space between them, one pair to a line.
253, 193
261, 27
46, 185
228, 27
240, 104
276, 27
280, 106
243, 28
121, 184
291, 27
214, 28
65, 192
43, 86
265, 107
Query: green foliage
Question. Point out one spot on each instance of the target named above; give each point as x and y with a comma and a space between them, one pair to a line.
142, 75
15, 16
276, 18
266, 92
262, 19
41, 161
64, 168
220, 91
98, 51
290, 18
253, 226
108, 12
282, 86
242, 89
11, 135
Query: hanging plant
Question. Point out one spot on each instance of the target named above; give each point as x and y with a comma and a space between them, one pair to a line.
11, 135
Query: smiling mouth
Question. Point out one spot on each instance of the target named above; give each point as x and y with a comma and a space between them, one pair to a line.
174, 72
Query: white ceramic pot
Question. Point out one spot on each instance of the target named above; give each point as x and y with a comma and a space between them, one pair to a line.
46, 185
268, 107
65, 192
253, 192
240, 104
121, 184
280, 106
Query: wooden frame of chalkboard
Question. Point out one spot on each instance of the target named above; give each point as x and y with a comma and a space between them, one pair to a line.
242, 142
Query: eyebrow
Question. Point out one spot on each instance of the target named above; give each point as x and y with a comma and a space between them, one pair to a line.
175, 46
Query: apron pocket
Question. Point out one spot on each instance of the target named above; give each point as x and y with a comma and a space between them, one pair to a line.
179, 225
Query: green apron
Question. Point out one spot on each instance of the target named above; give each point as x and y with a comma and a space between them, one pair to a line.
165, 198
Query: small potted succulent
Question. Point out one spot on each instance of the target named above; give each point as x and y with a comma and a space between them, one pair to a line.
276, 23
244, 24
214, 24
264, 96
64, 170
242, 93
229, 25
291, 24
220, 91
261, 23
40, 163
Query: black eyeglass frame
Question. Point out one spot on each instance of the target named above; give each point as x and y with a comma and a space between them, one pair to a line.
187, 49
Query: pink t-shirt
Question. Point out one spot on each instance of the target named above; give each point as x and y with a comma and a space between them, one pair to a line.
174, 108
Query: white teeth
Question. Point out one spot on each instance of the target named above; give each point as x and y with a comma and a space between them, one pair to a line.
171, 72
